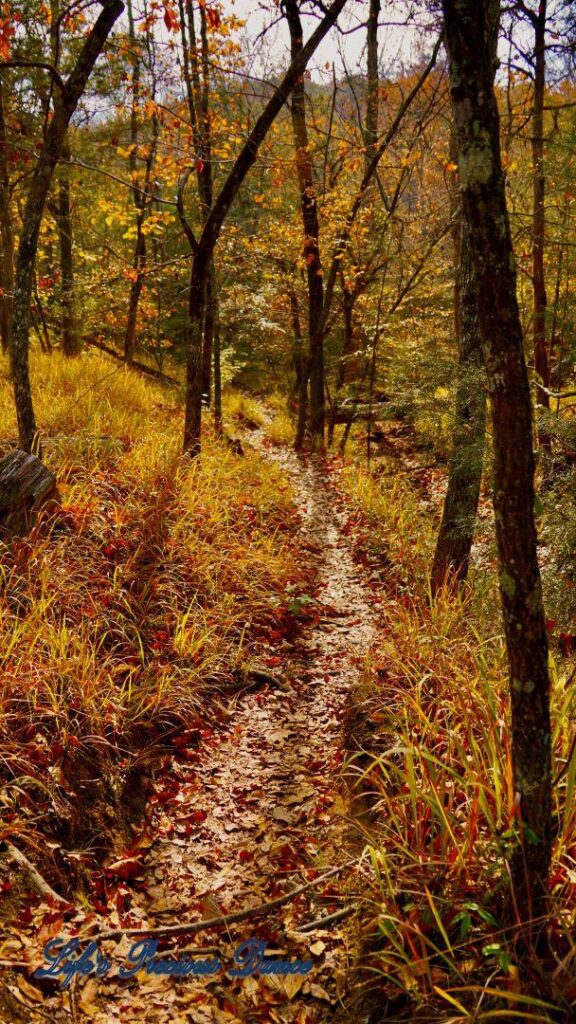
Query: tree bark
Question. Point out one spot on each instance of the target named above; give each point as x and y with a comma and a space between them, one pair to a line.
6, 238
309, 206
456, 534
541, 362
204, 248
373, 96
65, 103
140, 195
208, 334
70, 338
196, 71
217, 356
469, 33
348, 367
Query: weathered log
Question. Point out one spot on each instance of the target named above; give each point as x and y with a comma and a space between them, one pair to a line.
26, 485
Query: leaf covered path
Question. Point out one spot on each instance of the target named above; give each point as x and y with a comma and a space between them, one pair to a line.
256, 811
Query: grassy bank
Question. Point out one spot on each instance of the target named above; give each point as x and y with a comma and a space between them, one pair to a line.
430, 751
126, 609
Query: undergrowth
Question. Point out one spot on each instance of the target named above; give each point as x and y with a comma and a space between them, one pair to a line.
128, 606
430, 753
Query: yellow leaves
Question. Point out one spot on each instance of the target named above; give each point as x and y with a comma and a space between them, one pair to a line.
451, 166
411, 159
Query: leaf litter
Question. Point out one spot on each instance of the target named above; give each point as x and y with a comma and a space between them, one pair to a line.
253, 813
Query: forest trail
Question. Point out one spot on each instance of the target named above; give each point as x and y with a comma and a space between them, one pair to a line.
257, 812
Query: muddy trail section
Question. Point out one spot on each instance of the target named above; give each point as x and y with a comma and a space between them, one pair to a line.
258, 812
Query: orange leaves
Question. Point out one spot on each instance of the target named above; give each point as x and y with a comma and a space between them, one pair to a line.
7, 30
171, 19
212, 15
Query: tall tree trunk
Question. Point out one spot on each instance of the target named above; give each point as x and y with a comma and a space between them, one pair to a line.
6, 238
541, 362
454, 543
196, 70
204, 249
196, 310
373, 96
65, 103
136, 286
217, 355
348, 367
208, 335
297, 332
469, 34
139, 260
305, 172
452, 555
70, 338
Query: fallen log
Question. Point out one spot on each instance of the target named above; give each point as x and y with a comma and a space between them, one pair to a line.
26, 486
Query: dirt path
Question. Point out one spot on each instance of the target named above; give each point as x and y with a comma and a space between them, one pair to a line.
255, 813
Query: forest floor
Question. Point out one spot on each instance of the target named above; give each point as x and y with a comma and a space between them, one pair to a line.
255, 811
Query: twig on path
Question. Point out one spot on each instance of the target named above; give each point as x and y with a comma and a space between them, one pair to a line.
321, 922
192, 927
39, 883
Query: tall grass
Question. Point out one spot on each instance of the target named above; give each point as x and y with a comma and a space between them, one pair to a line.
431, 741
131, 601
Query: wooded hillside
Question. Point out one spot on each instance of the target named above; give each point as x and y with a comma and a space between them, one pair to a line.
287, 520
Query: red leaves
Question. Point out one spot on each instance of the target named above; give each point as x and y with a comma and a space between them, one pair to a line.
129, 865
213, 17
566, 642
170, 20
6, 30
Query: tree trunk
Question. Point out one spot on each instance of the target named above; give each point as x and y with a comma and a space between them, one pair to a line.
217, 366
348, 368
197, 80
541, 362
196, 308
472, 67
6, 239
456, 534
372, 101
297, 332
136, 286
139, 260
208, 336
204, 248
452, 555
65, 104
305, 172
70, 339
26, 485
